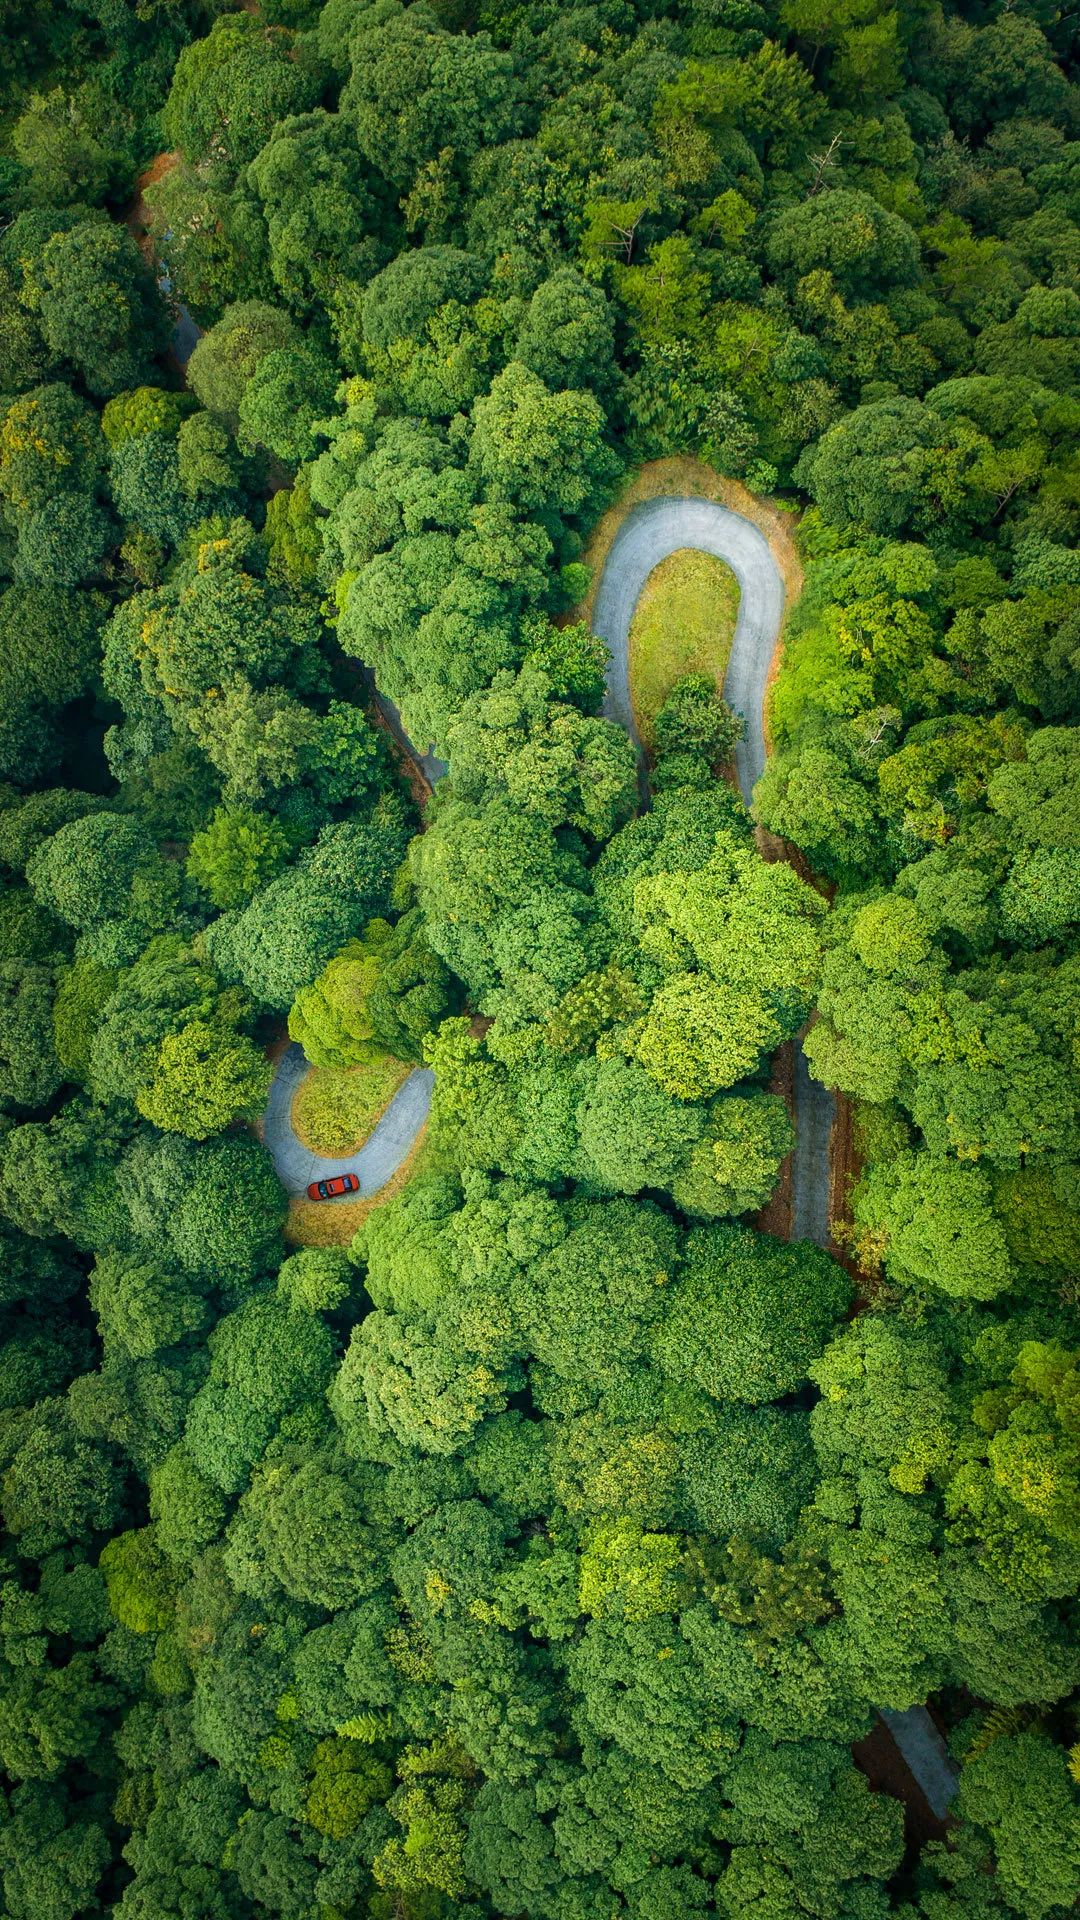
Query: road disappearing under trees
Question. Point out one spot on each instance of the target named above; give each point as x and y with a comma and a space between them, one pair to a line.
650, 532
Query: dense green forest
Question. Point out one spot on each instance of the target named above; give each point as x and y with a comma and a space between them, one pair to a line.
544, 1550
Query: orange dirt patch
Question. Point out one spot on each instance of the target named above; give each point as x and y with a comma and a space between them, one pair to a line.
137, 218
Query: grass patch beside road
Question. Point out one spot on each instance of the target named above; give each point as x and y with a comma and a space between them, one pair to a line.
684, 623
335, 1108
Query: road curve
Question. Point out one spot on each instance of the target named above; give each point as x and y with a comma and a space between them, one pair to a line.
382, 1153
649, 533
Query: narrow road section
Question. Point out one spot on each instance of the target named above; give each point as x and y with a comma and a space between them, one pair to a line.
648, 535
650, 532
925, 1754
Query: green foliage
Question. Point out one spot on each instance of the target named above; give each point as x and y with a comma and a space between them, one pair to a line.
859, 242
733, 1167
140, 1307
139, 1582
56, 1487
236, 853
893, 466
630, 1134
229, 355
737, 947
573, 660
143, 410
547, 759
314, 198
50, 642
1026, 1489
385, 992
281, 941
1019, 1795
214, 1205
935, 1223
51, 457
204, 1076
566, 336
230, 89
83, 991
410, 291
30, 1072
103, 876
100, 308
693, 719
413, 90
776, 1307
55, 141
540, 449
289, 392
545, 1553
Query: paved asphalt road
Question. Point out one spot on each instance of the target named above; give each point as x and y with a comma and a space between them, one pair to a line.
429, 763
648, 534
377, 1160
186, 333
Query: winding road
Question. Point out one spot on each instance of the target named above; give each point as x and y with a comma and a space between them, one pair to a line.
648, 534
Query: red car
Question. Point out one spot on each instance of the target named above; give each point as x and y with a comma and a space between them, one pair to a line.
331, 1189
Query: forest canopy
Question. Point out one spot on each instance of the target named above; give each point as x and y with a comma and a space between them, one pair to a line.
542, 1541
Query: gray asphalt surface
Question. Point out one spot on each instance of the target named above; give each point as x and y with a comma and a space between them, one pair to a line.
926, 1754
186, 332
374, 1163
429, 763
648, 534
